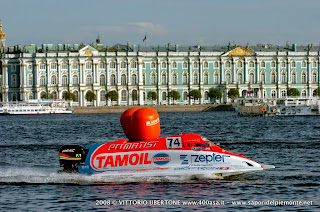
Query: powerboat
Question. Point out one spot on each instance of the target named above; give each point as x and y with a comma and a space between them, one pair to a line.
144, 154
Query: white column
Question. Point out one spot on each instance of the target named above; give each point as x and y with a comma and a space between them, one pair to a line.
221, 72
288, 72
201, 82
246, 75
309, 71
278, 73
140, 85
258, 73
158, 81
233, 71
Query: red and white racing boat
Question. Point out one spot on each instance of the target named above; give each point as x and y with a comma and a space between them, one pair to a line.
144, 154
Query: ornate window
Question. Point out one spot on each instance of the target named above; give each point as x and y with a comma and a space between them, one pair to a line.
53, 65
153, 79
64, 65
195, 64
228, 78
314, 64
206, 78
153, 64
76, 93
273, 64
283, 64
314, 78
174, 79
283, 93
102, 80
30, 80
263, 78
216, 78
54, 80
303, 77
89, 79
112, 65
13, 80
185, 78
185, 96
102, 65
164, 78
293, 64
228, 64
240, 80
293, 78
273, 78
174, 64
144, 78
103, 95
195, 78
113, 80
205, 64
185, 64
134, 64
143, 65
123, 64
64, 80
303, 93
163, 65
54, 94
164, 96
42, 66
74, 65
239, 64
263, 64
251, 64
43, 81
273, 94
283, 77
123, 95
251, 78
216, 64
134, 95
123, 79
75, 80
133, 79
303, 64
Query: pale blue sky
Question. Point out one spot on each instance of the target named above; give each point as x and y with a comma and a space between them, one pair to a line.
183, 22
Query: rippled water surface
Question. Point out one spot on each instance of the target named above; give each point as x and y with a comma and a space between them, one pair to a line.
29, 163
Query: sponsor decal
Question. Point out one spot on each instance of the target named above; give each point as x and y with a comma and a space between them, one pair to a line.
205, 168
184, 160
212, 158
68, 150
105, 161
153, 122
133, 145
204, 139
200, 148
161, 159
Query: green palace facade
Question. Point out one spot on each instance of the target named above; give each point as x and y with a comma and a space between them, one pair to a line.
31, 72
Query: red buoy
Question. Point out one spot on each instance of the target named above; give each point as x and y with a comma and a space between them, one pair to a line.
125, 121
145, 124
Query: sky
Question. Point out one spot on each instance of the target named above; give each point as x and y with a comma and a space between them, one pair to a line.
182, 22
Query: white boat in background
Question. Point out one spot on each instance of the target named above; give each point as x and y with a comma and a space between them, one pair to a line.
36, 107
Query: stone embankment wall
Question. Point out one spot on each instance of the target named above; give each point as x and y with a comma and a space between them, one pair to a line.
159, 108
250, 111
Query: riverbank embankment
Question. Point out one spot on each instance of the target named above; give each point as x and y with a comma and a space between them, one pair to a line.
159, 108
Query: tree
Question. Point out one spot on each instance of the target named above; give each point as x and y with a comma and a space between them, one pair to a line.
293, 92
215, 93
233, 93
90, 96
316, 92
69, 96
195, 94
112, 95
46, 96
152, 96
175, 95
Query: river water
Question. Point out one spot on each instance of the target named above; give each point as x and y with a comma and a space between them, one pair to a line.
29, 163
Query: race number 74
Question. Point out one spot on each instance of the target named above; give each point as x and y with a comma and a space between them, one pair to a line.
174, 142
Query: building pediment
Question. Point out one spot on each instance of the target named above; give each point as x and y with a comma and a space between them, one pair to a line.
88, 51
238, 51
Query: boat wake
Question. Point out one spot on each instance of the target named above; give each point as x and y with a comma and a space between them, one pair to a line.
33, 175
